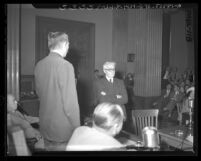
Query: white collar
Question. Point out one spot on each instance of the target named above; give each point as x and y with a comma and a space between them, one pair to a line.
109, 79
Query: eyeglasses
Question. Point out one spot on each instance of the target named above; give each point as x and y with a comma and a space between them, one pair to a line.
110, 69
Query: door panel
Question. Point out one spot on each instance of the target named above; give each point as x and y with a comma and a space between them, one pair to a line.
81, 52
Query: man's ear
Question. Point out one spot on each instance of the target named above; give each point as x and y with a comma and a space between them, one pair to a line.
115, 129
104, 71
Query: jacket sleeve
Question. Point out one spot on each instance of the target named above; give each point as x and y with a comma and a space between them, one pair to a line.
69, 94
122, 91
100, 96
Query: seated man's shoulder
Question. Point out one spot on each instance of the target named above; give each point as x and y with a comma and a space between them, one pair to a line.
81, 129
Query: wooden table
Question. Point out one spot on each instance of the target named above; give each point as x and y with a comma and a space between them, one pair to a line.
128, 138
171, 137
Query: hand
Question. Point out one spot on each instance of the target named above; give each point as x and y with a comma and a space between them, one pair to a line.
119, 96
155, 103
103, 93
37, 134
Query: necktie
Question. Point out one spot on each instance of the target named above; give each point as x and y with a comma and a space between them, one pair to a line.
110, 80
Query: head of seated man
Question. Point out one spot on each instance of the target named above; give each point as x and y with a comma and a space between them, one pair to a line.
107, 122
11, 103
16, 118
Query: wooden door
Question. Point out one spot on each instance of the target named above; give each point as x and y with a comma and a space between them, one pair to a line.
81, 53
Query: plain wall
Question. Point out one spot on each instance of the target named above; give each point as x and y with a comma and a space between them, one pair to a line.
102, 19
180, 49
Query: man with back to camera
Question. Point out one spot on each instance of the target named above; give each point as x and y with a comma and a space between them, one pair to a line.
110, 89
59, 111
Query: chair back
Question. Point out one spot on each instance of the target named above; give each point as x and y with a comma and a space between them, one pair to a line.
143, 118
17, 145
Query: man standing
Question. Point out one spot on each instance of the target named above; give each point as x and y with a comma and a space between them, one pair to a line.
110, 89
59, 111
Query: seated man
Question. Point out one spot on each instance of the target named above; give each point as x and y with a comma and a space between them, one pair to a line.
16, 118
106, 123
164, 99
189, 96
176, 98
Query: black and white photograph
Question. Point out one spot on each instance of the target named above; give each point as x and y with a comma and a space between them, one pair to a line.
102, 79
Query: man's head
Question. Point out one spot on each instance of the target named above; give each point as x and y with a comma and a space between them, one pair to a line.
168, 86
109, 69
191, 92
11, 103
109, 118
58, 41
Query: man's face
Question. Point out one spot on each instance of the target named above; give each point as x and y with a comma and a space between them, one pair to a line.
109, 72
66, 47
11, 103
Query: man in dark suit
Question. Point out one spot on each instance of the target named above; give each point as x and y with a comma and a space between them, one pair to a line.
59, 112
110, 89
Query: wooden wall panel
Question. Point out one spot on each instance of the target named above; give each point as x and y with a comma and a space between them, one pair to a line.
13, 25
145, 40
120, 39
154, 53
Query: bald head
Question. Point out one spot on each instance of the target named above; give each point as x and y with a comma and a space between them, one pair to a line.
11, 103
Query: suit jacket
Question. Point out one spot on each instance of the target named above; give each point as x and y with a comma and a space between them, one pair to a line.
89, 139
17, 119
59, 109
111, 90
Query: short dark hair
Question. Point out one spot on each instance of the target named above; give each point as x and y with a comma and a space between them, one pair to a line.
54, 38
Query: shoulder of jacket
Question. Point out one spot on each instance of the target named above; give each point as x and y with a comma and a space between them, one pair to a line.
118, 80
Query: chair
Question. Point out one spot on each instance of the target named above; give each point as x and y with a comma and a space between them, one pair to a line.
143, 118
16, 142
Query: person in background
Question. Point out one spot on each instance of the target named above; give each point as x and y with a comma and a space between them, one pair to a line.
107, 122
59, 111
97, 74
165, 77
110, 89
190, 92
129, 83
164, 99
174, 76
176, 98
180, 103
16, 118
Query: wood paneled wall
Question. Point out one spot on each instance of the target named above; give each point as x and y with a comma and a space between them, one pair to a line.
145, 40
13, 32
120, 39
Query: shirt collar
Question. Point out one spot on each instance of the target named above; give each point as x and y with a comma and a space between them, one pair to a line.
109, 79
55, 54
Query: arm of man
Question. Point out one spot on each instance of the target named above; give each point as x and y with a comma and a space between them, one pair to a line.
102, 94
69, 93
121, 96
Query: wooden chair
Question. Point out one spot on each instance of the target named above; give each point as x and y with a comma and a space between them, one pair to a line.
16, 142
143, 118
